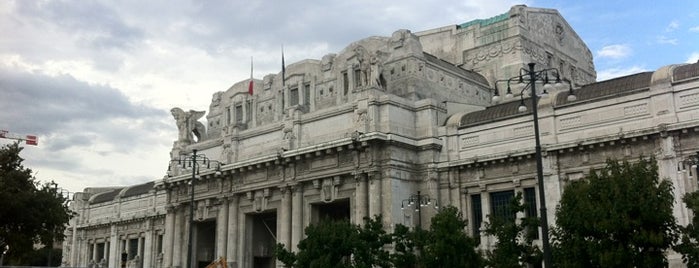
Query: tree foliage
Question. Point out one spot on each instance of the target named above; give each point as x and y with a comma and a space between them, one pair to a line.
31, 213
342, 244
514, 247
446, 243
619, 216
688, 244
339, 244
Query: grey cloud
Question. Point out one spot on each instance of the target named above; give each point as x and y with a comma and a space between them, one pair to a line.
45, 105
95, 23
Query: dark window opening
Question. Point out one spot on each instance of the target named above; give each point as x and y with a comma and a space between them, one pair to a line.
500, 205
477, 215
336, 211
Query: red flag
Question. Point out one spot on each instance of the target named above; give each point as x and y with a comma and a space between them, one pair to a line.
32, 140
250, 85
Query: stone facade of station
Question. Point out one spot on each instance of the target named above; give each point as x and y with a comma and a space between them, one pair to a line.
356, 133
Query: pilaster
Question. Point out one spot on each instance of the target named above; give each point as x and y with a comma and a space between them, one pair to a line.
297, 215
222, 228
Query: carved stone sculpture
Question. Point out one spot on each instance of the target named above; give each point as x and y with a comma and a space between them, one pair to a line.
188, 125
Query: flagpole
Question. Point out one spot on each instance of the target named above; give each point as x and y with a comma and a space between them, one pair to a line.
283, 68
250, 85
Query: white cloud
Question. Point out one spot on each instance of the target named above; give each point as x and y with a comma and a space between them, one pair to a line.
672, 26
614, 51
693, 58
618, 72
694, 29
665, 40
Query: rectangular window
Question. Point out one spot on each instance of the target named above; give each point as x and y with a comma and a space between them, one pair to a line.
345, 83
530, 205
500, 204
248, 111
294, 96
133, 248
530, 202
228, 116
357, 78
239, 113
159, 246
476, 214
306, 94
100, 252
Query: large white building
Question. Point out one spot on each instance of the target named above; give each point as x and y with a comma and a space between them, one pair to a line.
358, 132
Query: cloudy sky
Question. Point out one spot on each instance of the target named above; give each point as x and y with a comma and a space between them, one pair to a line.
95, 80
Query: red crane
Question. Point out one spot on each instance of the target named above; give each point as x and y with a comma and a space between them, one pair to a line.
28, 139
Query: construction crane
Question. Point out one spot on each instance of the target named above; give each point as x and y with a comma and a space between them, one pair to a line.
28, 139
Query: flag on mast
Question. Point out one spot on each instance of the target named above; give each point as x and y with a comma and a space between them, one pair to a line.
283, 69
251, 82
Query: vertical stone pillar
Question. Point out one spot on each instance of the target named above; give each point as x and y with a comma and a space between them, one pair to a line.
668, 160
114, 248
222, 229
455, 190
139, 246
284, 235
105, 250
361, 194
375, 197
297, 216
147, 259
94, 251
168, 236
232, 243
284, 222
243, 246
485, 208
177, 240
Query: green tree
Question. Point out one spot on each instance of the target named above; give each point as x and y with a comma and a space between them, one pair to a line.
688, 244
339, 244
619, 216
405, 244
446, 244
31, 213
514, 247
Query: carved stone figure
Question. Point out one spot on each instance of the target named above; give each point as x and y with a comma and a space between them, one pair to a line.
364, 63
326, 63
188, 125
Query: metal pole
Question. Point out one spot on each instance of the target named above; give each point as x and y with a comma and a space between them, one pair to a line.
191, 210
540, 172
419, 211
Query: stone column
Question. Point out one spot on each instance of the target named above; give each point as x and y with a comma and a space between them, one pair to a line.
105, 250
284, 235
232, 243
147, 258
114, 248
485, 208
375, 194
222, 228
455, 189
297, 216
139, 246
361, 202
169, 236
177, 240
94, 251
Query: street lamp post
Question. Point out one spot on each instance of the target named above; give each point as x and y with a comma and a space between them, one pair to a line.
193, 161
418, 200
534, 77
